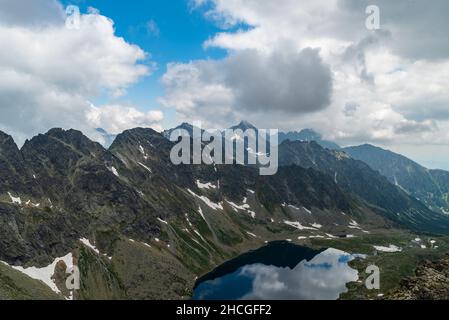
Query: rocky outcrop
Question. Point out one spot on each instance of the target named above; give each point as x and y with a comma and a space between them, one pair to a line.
431, 282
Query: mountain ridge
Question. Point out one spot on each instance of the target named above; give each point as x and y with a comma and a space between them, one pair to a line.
149, 219
430, 186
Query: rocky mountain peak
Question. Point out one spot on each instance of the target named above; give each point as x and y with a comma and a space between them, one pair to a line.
244, 125
60, 142
137, 136
7, 144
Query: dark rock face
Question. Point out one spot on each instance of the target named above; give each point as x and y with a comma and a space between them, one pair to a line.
64, 187
15, 176
308, 187
430, 186
430, 283
357, 178
67, 188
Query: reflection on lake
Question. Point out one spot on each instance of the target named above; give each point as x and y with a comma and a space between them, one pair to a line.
324, 277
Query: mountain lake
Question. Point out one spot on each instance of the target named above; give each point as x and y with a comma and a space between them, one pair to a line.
280, 271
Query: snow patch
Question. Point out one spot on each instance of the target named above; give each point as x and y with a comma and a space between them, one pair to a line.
244, 207
207, 185
391, 248
15, 200
250, 150
45, 274
188, 221
30, 204
207, 201
307, 210
200, 211
354, 225
298, 225
87, 243
142, 151
215, 206
316, 237
236, 207
145, 167
114, 171
251, 234
199, 235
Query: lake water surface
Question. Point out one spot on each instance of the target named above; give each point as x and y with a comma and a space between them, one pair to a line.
279, 270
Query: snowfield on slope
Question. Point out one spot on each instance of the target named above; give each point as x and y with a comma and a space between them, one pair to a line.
45, 274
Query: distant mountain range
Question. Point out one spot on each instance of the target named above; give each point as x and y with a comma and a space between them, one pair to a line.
356, 177
308, 135
140, 227
429, 186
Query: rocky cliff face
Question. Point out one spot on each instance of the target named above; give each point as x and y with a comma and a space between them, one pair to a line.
15, 175
148, 226
430, 186
357, 178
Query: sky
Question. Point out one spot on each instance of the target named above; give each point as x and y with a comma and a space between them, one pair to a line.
166, 30
283, 64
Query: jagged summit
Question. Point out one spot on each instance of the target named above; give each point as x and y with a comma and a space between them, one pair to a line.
183, 126
6, 140
244, 125
137, 208
308, 135
3, 135
137, 136
140, 131
59, 141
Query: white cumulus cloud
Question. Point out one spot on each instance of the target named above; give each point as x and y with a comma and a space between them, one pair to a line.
388, 86
49, 72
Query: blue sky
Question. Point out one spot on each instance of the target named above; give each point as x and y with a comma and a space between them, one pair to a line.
178, 36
